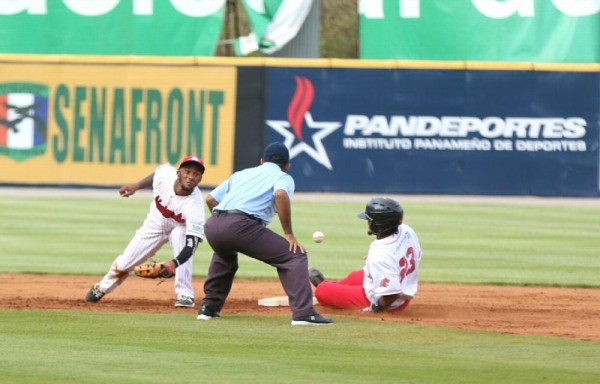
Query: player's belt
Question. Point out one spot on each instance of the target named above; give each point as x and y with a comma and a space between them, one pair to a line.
219, 212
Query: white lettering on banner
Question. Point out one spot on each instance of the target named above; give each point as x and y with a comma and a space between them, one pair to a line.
91, 7
33, 7
550, 145
192, 8
578, 7
376, 143
370, 9
198, 8
465, 133
464, 145
410, 9
453, 144
490, 127
494, 9
143, 7
502, 9
503, 145
373, 9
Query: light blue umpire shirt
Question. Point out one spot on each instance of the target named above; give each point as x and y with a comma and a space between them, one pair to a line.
251, 190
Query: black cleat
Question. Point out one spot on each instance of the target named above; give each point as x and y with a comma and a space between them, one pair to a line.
94, 294
312, 320
206, 313
184, 302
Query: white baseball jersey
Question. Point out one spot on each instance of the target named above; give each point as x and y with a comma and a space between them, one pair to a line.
392, 266
169, 210
170, 219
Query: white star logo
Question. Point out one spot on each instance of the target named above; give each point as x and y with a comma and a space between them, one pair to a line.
318, 153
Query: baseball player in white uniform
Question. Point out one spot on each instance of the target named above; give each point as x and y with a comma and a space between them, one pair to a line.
176, 215
389, 278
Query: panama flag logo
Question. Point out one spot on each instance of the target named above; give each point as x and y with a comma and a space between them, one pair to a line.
23, 120
300, 131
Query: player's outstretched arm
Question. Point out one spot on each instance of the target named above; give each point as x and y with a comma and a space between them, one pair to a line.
127, 190
211, 202
284, 211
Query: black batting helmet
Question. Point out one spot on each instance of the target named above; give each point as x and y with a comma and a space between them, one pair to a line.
384, 214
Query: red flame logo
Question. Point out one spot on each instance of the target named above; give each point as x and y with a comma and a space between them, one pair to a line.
301, 102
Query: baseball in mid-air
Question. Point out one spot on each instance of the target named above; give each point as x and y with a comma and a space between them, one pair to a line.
318, 236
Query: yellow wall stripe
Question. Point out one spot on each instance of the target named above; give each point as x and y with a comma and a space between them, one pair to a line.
304, 63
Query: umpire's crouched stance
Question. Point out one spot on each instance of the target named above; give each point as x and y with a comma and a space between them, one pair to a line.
242, 206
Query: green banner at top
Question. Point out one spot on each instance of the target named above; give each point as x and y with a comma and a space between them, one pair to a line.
551, 31
111, 27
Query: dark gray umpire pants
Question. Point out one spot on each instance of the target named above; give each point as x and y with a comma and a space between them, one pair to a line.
230, 233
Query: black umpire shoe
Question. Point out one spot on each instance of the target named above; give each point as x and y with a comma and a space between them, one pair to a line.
312, 320
206, 313
315, 276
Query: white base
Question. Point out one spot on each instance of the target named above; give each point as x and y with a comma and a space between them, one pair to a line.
278, 301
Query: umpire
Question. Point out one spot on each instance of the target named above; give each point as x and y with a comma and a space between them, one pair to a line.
242, 207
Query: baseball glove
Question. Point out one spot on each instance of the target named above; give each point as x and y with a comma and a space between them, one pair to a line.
155, 270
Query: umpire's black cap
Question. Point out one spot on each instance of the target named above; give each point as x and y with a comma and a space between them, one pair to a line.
276, 153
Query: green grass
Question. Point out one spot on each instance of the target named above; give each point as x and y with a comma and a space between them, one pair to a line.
462, 242
89, 347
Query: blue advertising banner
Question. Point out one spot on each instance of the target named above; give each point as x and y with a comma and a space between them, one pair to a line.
491, 132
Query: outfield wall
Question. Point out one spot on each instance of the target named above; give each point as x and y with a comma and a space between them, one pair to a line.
351, 125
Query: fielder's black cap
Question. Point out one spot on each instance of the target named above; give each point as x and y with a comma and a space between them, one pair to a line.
193, 160
276, 153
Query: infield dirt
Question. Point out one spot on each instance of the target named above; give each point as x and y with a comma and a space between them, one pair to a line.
560, 312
